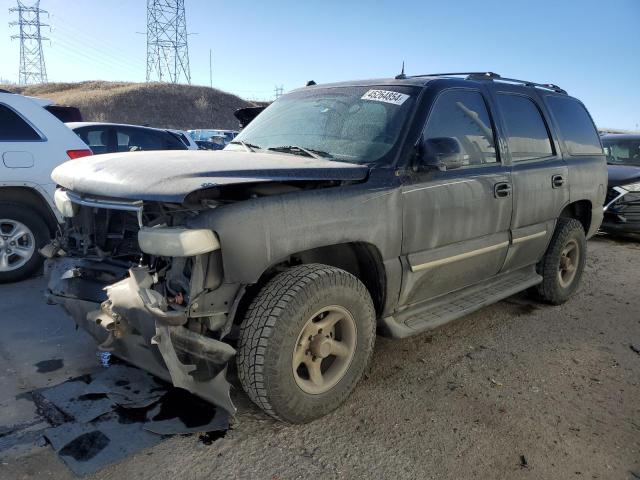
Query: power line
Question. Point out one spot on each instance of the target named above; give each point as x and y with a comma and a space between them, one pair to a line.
32, 66
167, 46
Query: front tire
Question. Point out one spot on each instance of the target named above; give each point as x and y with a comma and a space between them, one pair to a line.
562, 266
305, 342
22, 232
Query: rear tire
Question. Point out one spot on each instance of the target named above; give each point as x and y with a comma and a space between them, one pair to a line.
23, 232
305, 342
562, 266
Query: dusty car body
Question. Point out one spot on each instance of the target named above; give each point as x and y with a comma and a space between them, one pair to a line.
622, 205
165, 258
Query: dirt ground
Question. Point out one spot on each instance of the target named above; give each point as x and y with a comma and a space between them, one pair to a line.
518, 390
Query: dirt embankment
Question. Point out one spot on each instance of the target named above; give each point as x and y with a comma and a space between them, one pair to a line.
154, 104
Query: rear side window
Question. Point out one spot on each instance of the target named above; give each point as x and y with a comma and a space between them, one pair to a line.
577, 129
139, 139
527, 134
13, 128
97, 138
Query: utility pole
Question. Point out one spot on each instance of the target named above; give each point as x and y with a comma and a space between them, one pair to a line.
210, 70
32, 67
167, 45
278, 91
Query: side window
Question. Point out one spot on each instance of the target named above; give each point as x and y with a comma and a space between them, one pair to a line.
578, 131
13, 128
459, 123
527, 134
96, 137
140, 139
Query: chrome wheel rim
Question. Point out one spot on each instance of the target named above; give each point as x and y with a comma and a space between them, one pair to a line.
17, 244
569, 260
324, 349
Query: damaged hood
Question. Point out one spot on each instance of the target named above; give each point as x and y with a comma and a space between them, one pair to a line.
170, 176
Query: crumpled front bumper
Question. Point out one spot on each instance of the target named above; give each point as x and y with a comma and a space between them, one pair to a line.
127, 317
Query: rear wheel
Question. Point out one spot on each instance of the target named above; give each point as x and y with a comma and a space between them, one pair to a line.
22, 232
305, 342
562, 266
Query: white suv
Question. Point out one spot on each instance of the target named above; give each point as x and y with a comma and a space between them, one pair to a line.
32, 143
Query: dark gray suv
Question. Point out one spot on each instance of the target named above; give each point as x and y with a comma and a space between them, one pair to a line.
390, 206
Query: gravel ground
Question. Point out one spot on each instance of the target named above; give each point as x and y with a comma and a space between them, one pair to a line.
517, 390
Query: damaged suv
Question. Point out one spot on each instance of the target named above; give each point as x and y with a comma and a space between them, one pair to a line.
390, 206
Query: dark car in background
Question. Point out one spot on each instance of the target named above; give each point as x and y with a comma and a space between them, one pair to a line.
622, 206
115, 137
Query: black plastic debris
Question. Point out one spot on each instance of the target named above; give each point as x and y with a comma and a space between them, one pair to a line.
180, 412
74, 401
88, 447
47, 366
128, 387
102, 418
523, 462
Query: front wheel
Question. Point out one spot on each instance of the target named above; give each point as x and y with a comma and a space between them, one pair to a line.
305, 342
562, 266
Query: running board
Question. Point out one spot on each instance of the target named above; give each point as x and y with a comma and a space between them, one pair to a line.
432, 314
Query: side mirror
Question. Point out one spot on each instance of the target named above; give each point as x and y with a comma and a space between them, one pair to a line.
443, 153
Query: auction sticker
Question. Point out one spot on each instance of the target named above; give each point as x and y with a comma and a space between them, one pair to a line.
386, 96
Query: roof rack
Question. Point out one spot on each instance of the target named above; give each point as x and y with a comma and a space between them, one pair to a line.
494, 76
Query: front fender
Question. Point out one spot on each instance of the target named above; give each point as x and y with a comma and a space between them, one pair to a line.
258, 233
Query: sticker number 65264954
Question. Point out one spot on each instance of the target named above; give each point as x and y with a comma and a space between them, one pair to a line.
386, 96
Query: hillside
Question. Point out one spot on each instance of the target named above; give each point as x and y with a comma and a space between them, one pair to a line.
154, 104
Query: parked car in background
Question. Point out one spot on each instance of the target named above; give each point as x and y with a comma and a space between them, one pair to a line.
185, 138
116, 137
391, 205
622, 205
207, 134
32, 143
213, 143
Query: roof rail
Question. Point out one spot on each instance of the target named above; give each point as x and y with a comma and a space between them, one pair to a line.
494, 76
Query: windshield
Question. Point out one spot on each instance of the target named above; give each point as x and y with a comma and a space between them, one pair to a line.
622, 152
349, 124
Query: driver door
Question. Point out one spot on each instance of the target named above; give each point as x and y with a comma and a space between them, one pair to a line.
456, 220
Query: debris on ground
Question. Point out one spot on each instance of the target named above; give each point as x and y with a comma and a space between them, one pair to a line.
495, 382
103, 418
635, 348
523, 462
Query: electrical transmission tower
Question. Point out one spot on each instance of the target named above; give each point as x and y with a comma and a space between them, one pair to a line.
167, 49
32, 67
278, 90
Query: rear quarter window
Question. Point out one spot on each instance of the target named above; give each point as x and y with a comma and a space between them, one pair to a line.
13, 128
575, 125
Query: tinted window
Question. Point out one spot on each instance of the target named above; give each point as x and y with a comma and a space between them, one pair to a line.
622, 151
526, 131
97, 138
139, 139
577, 129
459, 123
14, 128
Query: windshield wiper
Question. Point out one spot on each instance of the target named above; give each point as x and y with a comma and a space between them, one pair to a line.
319, 154
247, 146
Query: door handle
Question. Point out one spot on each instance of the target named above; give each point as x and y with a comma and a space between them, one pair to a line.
502, 190
557, 181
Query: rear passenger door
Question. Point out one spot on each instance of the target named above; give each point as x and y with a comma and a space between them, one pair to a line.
539, 176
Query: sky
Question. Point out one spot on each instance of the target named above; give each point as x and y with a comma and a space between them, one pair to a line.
591, 48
